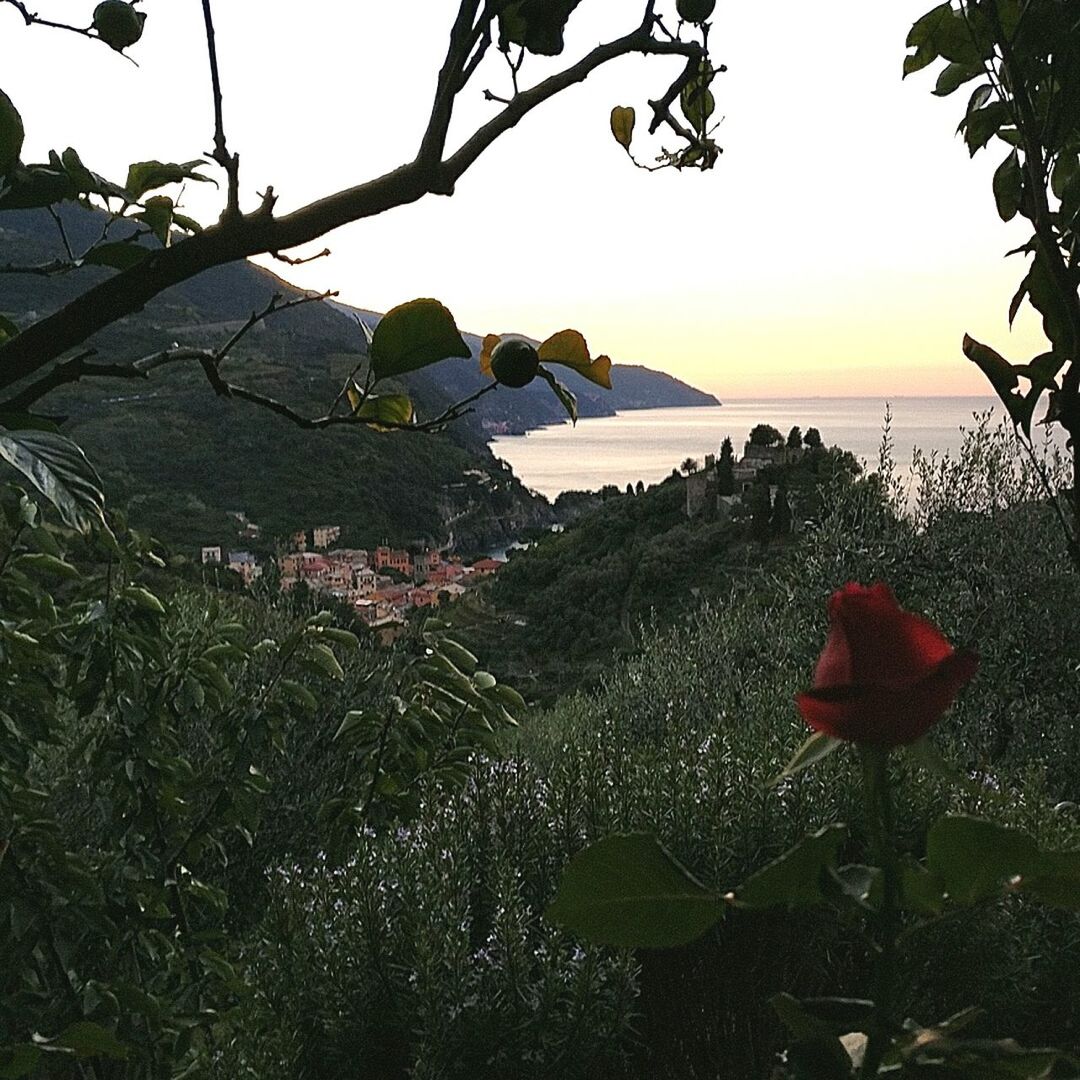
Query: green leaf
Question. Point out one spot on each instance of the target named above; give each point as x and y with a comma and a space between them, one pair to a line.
457, 654
1066, 169
143, 599
796, 878
18, 1060
628, 890
981, 125
920, 891
973, 859
924, 38
119, 255
85, 181
1009, 187
58, 468
7, 329
817, 1051
697, 101
818, 746
484, 680
91, 1040
927, 755
158, 214
300, 694
953, 76
42, 562
11, 135
325, 659
623, 118
536, 24
1004, 378
1046, 298
386, 409
414, 335
144, 176
565, 396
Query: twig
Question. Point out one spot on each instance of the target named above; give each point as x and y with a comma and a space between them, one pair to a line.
1072, 542
462, 36
229, 162
63, 232
289, 261
49, 269
68, 371
32, 19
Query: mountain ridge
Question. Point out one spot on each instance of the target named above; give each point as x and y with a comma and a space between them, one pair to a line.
179, 459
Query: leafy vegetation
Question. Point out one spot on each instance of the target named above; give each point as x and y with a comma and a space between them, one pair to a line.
635, 557
452, 969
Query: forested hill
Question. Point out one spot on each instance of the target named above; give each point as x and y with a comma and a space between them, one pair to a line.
180, 459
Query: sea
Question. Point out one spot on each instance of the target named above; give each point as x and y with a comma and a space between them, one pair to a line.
646, 444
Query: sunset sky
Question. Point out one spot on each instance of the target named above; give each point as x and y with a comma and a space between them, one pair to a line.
843, 245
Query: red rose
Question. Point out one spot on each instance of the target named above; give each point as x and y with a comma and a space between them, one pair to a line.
885, 675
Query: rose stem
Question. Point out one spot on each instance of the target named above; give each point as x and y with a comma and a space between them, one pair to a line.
879, 812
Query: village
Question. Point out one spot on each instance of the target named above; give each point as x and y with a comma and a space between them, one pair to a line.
382, 585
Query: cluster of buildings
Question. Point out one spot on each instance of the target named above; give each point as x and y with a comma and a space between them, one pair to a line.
703, 487
382, 585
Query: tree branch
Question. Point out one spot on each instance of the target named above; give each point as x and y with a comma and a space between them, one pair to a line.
229, 162
33, 19
68, 372
261, 232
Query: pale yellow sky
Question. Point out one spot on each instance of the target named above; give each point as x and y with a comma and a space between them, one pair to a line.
843, 244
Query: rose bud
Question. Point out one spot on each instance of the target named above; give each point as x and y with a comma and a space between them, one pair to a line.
885, 675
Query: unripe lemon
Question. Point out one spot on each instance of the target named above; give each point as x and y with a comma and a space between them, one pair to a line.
514, 363
695, 11
118, 24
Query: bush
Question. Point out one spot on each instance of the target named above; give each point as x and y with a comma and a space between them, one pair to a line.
428, 950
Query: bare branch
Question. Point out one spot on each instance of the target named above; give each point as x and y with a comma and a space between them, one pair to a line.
289, 261
49, 269
33, 19
463, 38
68, 372
229, 162
638, 41
63, 232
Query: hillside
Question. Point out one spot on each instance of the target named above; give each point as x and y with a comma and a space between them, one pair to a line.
179, 459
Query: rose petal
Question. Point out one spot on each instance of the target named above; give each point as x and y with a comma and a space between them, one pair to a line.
888, 646
886, 717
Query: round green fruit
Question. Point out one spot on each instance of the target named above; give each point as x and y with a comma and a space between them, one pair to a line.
695, 11
118, 24
514, 363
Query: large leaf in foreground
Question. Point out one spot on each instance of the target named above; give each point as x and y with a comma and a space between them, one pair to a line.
975, 859
796, 878
627, 890
60, 471
414, 335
